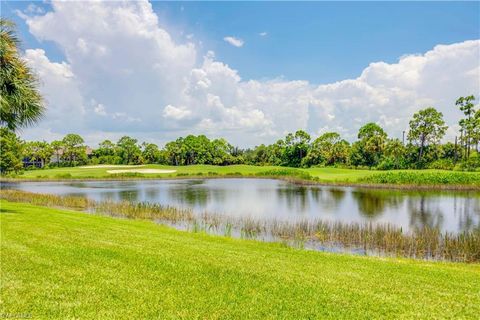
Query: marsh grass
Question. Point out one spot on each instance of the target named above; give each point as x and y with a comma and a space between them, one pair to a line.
287, 173
380, 239
440, 178
48, 200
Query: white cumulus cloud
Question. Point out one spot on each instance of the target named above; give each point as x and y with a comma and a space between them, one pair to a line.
176, 113
236, 42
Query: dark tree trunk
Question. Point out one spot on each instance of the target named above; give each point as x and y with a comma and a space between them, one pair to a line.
422, 144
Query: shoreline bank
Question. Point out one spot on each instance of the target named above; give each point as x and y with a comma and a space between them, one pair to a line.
294, 180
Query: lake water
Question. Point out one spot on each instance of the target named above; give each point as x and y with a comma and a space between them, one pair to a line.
266, 198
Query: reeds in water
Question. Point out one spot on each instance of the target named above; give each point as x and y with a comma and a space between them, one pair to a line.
48, 200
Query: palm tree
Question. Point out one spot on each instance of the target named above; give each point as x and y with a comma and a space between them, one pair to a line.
21, 104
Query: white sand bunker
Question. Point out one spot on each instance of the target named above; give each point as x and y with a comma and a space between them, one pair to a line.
110, 166
142, 171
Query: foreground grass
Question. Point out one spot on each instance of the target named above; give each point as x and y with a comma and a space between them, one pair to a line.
63, 264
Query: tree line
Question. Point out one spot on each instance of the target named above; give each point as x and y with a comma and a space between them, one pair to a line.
372, 149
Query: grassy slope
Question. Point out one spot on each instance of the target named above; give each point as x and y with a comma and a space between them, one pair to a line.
326, 174
61, 264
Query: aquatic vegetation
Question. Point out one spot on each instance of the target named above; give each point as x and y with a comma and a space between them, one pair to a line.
63, 176
369, 238
126, 175
141, 210
424, 178
49, 200
285, 172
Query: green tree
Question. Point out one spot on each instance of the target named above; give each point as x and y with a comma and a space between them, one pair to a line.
57, 147
196, 150
426, 127
150, 152
20, 101
220, 152
450, 151
296, 148
175, 152
106, 153
38, 151
259, 155
328, 149
368, 150
105, 148
393, 156
129, 151
469, 124
275, 153
476, 129
11, 152
74, 149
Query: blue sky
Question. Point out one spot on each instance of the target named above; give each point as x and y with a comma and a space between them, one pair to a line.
316, 41
160, 70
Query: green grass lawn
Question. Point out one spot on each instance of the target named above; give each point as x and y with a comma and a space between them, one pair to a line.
326, 174
64, 264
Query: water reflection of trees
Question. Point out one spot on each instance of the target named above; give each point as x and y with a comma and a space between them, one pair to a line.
299, 197
372, 203
467, 209
106, 195
424, 213
296, 197
152, 193
190, 195
129, 195
328, 198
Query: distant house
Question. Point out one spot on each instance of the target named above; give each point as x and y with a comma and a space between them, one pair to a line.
28, 162
56, 158
89, 152
57, 155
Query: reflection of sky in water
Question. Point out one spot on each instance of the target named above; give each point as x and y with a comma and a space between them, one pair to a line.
265, 198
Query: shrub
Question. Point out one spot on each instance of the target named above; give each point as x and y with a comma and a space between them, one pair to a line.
291, 173
390, 163
442, 164
63, 176
471, 164
420, 178
233, 174
127, 175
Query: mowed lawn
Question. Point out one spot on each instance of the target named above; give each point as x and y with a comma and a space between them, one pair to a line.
65, 264
325, 174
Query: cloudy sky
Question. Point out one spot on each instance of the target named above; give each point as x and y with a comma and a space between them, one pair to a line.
250, 72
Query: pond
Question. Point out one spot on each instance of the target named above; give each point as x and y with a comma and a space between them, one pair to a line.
452, 211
